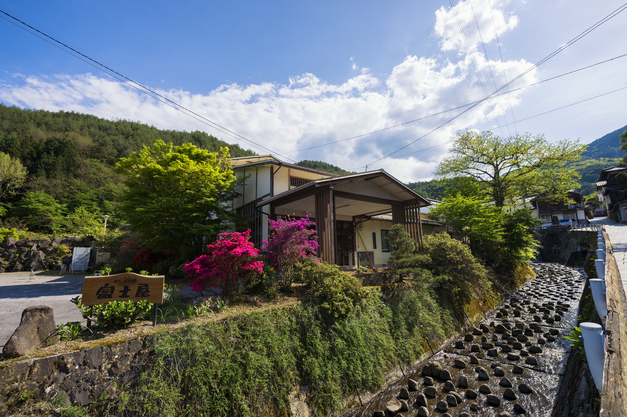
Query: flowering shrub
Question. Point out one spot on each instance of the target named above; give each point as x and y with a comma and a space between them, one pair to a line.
227, 263
291, 241
148, 258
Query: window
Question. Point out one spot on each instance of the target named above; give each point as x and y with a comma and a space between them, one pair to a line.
385, 246
297, 181
374, 240
254, 220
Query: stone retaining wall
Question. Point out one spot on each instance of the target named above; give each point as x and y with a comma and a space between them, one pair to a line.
78, 377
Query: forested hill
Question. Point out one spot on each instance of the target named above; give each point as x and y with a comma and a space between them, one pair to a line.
97, 138
323, 166
607, 146
70, 159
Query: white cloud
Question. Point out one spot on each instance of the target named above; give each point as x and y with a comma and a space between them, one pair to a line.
469, 14
307, 112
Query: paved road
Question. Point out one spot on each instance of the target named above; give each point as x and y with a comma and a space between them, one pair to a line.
18, 291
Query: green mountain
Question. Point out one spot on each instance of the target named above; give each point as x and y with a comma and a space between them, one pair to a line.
70, 158
607, 146
322, 166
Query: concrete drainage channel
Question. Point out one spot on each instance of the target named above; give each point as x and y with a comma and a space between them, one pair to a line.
509, 364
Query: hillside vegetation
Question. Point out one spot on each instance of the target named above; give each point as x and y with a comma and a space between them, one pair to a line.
70, 159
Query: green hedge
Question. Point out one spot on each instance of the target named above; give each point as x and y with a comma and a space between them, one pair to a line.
247, 365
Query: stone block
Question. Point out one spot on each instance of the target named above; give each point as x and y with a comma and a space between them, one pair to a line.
37, 328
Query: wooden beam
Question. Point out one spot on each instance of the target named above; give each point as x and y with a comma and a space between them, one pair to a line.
366, 198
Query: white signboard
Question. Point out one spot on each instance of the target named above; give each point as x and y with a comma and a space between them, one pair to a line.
80, 259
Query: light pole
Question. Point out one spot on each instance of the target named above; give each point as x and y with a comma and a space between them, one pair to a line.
106, 217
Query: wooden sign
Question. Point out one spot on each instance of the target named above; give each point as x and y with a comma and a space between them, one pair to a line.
122, 287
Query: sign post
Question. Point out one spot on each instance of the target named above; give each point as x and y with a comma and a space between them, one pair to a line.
126, 286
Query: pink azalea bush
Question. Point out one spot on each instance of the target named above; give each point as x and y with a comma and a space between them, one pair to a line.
291, 241
227, 263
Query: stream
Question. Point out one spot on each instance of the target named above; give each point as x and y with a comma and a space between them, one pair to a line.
511, 363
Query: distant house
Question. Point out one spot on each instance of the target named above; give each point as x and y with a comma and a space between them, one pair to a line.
546, 207
612, 190
353, 213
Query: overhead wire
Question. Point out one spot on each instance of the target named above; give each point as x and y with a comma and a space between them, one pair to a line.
519, 76
498, 43
485, 51
509, 91
536, 115
136, 85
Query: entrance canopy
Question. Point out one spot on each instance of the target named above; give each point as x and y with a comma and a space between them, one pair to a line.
350, 198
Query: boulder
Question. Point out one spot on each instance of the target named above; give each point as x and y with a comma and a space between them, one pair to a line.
413, 385
463, 382
431, 392
471, 394
37, 328
493, 400
445, 375
421, 400
442, 406
37, 261
393, 407
423, 412
17, 267
485, 389
403, 395
448, 386
509, 394
9, 243
451, 400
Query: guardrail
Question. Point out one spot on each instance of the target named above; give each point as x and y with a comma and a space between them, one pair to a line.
607, 353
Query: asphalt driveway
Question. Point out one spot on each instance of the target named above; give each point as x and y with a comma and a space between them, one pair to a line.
19, 290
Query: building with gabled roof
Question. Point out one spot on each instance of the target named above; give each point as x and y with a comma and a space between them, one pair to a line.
344, 208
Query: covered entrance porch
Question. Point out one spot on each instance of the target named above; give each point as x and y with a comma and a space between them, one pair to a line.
339, 204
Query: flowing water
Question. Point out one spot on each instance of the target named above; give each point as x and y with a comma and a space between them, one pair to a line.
521, 340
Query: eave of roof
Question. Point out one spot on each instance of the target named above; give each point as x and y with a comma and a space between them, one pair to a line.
328, 181
273, 161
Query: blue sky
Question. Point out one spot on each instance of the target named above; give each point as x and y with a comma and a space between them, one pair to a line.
293, 76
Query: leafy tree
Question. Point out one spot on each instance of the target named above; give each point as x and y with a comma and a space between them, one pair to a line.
176, 196
472, 219
518, 244
508, 168
12, 175
41, 212
83, 222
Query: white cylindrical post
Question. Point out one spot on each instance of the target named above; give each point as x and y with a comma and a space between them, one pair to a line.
594, 344
600, 266
601, 254
598, 294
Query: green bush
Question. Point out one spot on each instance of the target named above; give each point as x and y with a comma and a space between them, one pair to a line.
338, 292
459, 274
115, 313
5, 233
262, 284
248, 364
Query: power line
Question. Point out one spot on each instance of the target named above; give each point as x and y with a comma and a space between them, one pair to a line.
134, 84
537, 115
485, 51
459, 107
542, 61
498, 43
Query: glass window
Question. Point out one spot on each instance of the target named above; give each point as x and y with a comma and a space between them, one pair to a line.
374, 240
385, 246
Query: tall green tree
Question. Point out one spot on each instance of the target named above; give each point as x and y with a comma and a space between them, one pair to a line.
176, 196
41, 212
511, 167
12, 175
